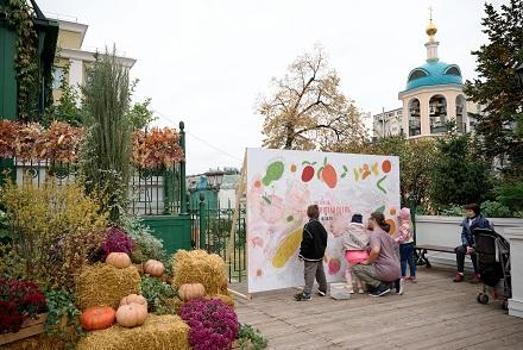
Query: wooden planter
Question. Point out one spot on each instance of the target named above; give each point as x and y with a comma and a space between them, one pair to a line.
29, 328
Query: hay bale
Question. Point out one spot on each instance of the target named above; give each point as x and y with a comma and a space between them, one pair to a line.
37, 342
227, 300
199, 267
157, 333
105, 285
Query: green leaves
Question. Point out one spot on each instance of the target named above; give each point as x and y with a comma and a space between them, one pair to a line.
63, 318
251, 338
157, 294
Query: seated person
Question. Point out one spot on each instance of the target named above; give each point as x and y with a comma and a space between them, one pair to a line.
473, 220
383, 266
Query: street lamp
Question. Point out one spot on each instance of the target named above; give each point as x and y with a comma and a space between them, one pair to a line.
519, 72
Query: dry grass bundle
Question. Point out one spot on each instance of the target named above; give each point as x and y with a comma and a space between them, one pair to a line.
105, 285
227, 300
38, 342
157, 333
199, 267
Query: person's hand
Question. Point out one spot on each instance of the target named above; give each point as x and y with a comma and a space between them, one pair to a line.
365, 262
470, 250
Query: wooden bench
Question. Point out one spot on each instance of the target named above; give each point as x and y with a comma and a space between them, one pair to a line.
422, 249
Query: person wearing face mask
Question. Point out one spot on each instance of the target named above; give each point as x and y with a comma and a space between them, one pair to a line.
473, 220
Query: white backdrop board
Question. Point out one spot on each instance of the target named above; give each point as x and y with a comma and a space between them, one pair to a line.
280, 186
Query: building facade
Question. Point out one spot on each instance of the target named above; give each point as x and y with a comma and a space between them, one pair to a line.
433, 95
71, 60
388, 123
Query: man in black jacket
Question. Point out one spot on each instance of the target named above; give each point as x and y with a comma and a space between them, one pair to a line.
312, 250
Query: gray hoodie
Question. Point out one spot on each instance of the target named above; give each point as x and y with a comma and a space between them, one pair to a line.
355, 237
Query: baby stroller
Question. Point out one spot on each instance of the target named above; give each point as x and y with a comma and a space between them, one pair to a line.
494, 266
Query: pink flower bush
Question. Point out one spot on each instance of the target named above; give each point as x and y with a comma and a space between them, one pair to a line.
117, 241
214, 325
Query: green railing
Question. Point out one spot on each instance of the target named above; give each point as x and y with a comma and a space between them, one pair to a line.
212, 227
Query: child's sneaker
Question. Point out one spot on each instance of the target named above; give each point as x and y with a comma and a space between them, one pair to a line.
412, 279
361, 291
349, 289
322, 293
302, 297
381, 290
476, 278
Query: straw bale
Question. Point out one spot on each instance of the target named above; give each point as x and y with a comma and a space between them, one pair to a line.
199, 267
37, 342
227, 300
157, 333
105, 285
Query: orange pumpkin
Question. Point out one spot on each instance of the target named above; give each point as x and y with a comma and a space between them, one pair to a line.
131, 315
154, 268
134, 299
118, 260
190, 291
98, 317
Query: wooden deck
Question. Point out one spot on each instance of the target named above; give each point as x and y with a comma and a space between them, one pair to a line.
434, 313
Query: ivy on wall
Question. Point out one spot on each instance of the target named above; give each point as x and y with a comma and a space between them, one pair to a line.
20, 17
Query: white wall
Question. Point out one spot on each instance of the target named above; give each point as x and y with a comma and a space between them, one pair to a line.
445, 231
515, 304
226, 195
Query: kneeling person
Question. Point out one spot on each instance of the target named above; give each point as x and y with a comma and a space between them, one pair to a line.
383, 266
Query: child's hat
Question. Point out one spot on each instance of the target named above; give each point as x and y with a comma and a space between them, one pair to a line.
358, 218
404, 213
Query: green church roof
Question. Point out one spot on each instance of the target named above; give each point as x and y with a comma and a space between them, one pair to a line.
434, 73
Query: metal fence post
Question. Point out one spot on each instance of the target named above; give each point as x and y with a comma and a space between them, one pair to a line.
202, 222
182, 175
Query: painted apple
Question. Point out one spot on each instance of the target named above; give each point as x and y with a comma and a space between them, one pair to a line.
307, 173
334, 266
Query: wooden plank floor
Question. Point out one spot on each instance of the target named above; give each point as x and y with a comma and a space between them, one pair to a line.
434, 313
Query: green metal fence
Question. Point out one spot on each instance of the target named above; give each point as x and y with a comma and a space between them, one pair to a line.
212, 232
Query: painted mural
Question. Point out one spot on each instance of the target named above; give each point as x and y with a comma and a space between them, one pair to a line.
280, 186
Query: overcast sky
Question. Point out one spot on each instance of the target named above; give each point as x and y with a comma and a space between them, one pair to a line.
206, 61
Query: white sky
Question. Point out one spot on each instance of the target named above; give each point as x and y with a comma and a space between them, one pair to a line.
206, 61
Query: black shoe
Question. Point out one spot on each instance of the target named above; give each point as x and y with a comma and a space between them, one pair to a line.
380, 291
322, 293
302, 297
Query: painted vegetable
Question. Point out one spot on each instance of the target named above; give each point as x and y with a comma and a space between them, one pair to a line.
287, 248
307, 173
271, 209
293, 168
386, 166
328, 174
334, 266
154, 268
191, 291
118, 260
134, 299
131, 315
274, 172
98, 317
379, 184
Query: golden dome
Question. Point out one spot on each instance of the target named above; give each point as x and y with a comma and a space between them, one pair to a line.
431, 29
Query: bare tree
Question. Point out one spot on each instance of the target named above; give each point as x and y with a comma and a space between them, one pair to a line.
307, 110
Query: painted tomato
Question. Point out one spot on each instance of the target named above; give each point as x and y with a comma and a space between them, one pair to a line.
334, 266
307, 173
386, 166
329, 176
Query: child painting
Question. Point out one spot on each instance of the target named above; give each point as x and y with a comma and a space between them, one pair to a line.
355, 246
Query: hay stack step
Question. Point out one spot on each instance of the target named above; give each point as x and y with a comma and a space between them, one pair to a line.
197, 266
105, 285
157, 333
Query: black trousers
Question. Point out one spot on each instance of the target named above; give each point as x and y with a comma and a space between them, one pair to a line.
461, 252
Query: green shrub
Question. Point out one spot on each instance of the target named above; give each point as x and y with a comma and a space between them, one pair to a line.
251, 338
146, 245
54, 229
495, 209
157, 294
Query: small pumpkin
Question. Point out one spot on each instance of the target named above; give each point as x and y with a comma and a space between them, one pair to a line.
118, 260
134, 299
131, 315
98, 317
190, 291
154, 268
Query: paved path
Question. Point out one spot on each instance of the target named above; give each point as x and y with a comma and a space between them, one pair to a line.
434, 313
